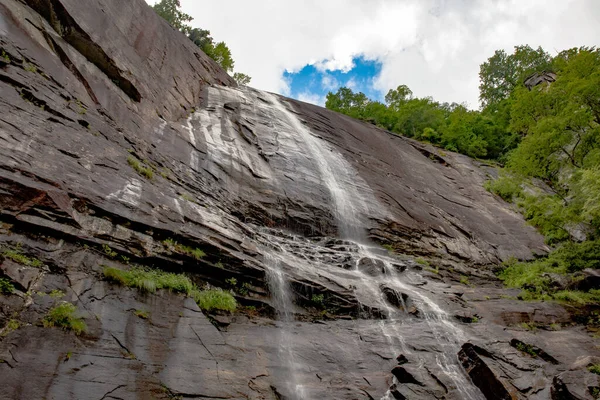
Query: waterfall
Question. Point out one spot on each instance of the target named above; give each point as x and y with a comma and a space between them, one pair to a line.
348, 207
283, 304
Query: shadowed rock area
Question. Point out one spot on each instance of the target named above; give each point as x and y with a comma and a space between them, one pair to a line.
119, 138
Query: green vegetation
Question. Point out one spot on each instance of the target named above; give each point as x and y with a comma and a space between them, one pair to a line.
526, 348
30, 67
172, 245
142, 314
594, 369
595, 392
57, 294
11, 325
188, 197
529, 326
170, 10
231, 281
5, 56
421, 261
63, 315
435, 270
465, 280
108, 251
215, 299
18, 257
150, 280
388, 247
140, 168
6, 287
318, 300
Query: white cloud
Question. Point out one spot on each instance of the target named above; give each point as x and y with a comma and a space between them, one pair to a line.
312, 98
433, 46
328, 82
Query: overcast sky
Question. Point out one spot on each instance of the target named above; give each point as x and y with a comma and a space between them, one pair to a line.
433, 46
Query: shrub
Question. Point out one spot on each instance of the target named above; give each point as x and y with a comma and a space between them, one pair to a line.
6, 287
214, 299
506, 186
149, 280
594, 369
64, 316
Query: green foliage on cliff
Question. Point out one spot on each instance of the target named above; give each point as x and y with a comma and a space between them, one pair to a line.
170, 10
451, 126
6, 287
64, 315
215, 299
548, 137
150, 280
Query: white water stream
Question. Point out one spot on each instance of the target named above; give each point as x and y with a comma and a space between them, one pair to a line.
349, 207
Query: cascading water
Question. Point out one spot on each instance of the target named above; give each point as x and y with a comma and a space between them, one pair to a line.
283, 304
349, 205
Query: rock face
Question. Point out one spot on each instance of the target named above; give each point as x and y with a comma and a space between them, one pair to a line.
119, 137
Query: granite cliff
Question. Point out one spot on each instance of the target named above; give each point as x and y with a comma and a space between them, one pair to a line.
120, 138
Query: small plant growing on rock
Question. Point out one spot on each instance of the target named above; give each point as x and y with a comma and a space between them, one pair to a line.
526, 348
388, 247
215, 299
318, 300
595, 392
108, 251
140, 168
64, 316
231, 281
179, 248
465, 280
421, 261
18, 257
435, 270
6, 287
149, 280
5, 57
11, 326
220, 265
142, 314
30, 67
594, 369
57, 294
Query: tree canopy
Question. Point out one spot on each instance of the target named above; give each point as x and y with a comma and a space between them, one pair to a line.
170, 10
548, 137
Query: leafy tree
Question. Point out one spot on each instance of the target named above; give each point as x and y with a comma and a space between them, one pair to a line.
170, 11
201, 38
222, 55
242, 79
502, 72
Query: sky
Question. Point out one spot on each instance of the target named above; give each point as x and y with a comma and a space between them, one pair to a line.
306, 48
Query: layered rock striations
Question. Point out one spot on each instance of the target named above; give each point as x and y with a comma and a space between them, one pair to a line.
119, 136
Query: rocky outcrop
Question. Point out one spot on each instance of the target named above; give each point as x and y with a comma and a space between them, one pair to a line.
120, 138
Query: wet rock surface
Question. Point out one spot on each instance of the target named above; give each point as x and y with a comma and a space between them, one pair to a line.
119, 137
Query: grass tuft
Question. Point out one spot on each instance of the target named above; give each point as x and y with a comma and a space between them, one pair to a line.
6, 287
180, 248
214, 299
18, 257
149, 280
64, 316
594, 369
140, 168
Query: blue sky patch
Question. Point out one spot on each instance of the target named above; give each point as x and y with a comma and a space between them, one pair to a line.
311, 85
